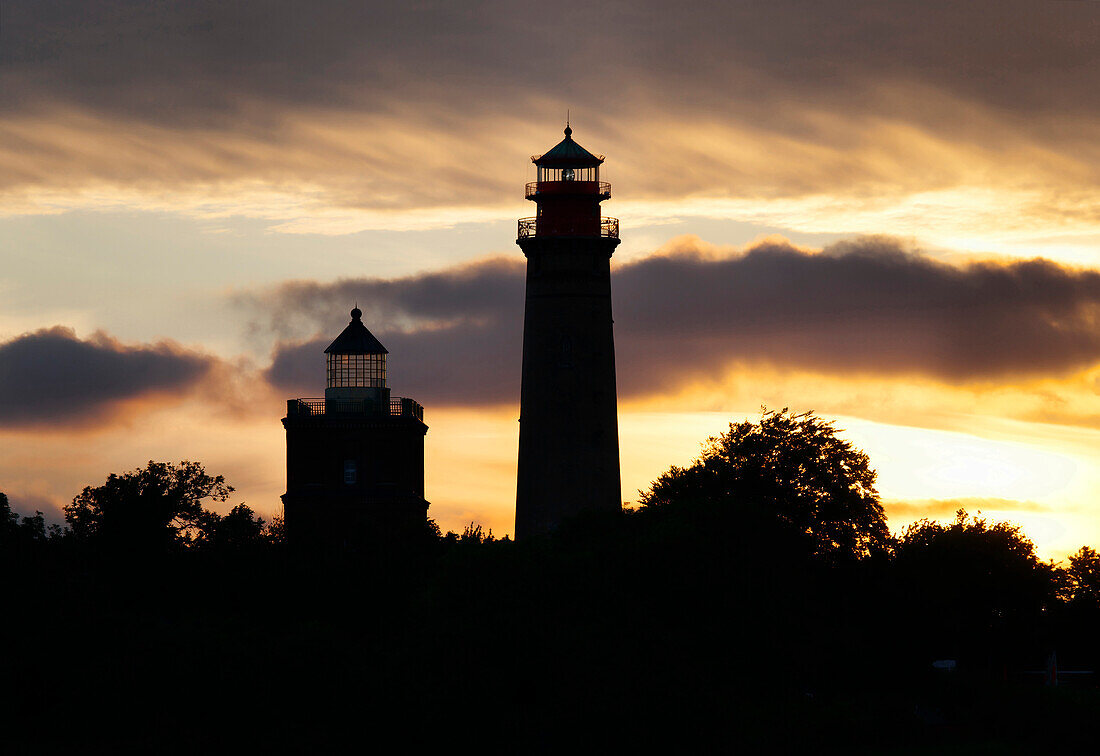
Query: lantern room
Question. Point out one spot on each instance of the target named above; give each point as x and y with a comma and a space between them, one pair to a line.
568, 193
568, 161
355, 365
570, 167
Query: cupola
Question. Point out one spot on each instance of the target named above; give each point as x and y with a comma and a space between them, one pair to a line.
568, 161
355, 364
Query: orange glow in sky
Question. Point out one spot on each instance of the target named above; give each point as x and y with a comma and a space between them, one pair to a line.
891, 222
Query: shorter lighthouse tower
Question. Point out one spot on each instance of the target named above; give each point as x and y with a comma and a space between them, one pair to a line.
354, 459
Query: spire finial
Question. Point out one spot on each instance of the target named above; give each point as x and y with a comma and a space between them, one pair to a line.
356, 314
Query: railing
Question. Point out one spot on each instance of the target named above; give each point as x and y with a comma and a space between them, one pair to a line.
536, 188
609, 227
399, 407
528, 228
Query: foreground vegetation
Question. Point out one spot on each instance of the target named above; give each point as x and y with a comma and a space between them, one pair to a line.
754, 599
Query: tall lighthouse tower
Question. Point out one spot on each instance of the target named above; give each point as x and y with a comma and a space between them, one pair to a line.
569, 436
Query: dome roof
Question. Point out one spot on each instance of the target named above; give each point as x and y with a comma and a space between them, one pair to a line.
567, 154
356, 339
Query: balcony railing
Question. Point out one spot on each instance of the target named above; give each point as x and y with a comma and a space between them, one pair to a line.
399, 407
541, 188
529, 228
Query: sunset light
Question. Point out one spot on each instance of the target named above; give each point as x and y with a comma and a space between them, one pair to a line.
833, 265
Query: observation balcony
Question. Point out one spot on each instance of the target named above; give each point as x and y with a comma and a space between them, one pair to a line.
529, 228
537, 189
399, 407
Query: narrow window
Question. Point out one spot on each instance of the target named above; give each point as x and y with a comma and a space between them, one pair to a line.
350, 473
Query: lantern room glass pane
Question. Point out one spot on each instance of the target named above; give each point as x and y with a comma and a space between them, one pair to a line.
355, 370
591, 173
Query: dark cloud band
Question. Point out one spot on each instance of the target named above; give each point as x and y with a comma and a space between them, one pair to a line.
52, 377
195, 57
867, 307
206, 92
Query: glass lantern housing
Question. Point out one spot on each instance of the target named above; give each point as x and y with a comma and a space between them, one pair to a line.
355, 370
569, 173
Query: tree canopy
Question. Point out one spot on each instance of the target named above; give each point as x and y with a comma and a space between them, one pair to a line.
969, 585
793, 468
740, 583
237, 529
155, 508
971, 561
22, 531
1082, 577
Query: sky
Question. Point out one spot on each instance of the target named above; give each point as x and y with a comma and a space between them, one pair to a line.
884, 212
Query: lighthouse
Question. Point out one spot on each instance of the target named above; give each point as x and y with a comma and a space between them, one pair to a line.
568, 436
355, 458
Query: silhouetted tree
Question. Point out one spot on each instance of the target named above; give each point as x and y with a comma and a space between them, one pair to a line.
23, 531
156, 508
971, 562
793, 470
33, 528
1083, 577
238, 529
971, 587
9, 521
472, 533
275, 532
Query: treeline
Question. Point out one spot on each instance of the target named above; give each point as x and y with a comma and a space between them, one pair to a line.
754, 599
157, 509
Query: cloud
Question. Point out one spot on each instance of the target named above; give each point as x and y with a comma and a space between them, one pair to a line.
194, 59
353, 116
867, 307
27, 504
453, 335
51, 377
484, 291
